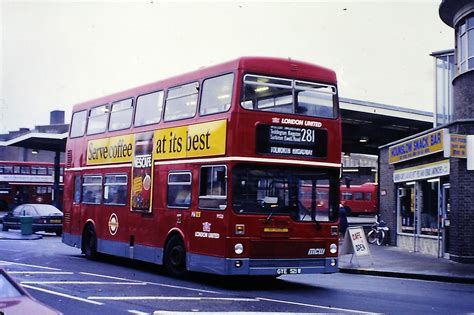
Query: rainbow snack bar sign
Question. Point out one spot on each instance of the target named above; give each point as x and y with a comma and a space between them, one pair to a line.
414, 148
205, 139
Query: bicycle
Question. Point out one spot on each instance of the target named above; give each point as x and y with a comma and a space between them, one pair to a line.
378, 233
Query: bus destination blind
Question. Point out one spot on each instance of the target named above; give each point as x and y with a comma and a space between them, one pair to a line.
291, 141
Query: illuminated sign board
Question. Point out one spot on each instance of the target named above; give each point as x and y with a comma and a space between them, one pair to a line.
291, 141
417, 147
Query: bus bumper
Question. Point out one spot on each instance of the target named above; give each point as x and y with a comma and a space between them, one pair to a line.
256, 267
260, 267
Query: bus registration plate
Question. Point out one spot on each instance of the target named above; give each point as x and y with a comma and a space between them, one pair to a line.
288, 271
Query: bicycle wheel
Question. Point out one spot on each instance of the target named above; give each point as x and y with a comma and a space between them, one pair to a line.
372, 236
380, 237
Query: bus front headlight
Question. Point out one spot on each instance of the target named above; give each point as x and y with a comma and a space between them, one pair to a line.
239, 248
333, 248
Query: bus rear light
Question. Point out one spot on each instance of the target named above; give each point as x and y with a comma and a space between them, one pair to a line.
239, 229
334, 230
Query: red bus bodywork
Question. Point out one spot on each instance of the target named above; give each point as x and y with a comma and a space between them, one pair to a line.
228, 239
360, 199
25, 182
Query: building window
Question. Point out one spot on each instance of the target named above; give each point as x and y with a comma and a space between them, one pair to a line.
216, 94
121, 115
445, 71
465, 44
115, 189
149, 109
179, 189
213, 188
181, 102
92, 189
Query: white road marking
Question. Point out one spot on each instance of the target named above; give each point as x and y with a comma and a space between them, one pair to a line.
227, 313
8, 263
83, 282
42, 272
62, 294
153, 283
170, 298
138, 312
314, 306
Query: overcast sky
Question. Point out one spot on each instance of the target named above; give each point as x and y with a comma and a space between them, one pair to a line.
57, 53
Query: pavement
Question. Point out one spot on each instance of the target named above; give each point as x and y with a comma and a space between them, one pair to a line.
392, 261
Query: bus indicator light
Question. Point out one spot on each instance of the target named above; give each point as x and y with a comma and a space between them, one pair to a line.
239, 229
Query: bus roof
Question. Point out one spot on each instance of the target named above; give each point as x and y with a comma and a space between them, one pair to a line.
267, 65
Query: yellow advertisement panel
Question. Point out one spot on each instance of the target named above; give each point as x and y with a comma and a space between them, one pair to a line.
458, 146
110, 150
206, 139
420, 146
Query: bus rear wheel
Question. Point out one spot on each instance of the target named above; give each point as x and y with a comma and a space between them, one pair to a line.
175, 257
89, 243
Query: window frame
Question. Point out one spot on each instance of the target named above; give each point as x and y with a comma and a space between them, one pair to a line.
105, 184
167, 98
201, 92
208, 197
295, 89
84, 184
107, 106
163, 98
86, 119
111, 111
168, 184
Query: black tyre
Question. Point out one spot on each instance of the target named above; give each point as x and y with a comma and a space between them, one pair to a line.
59, 233
4, 227
175, 257
380, 237
89, 243
372, 237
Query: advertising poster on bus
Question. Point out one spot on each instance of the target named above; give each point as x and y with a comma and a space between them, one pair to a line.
142, 180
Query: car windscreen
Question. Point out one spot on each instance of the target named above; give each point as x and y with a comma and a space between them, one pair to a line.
7, 289
47, 210
305, 195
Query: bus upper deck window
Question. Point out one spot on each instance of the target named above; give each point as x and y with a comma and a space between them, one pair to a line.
98, 117
181, 101
121, 115
149, 108
216, 94
78, 124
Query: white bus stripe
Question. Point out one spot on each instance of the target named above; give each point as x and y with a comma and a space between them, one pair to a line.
8, 263
62, 294
214, 160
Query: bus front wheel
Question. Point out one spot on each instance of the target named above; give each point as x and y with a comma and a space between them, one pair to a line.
175, 257
89, 243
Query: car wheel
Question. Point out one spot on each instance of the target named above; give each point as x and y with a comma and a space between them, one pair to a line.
175, 257
59, 233
4, 227
89, 243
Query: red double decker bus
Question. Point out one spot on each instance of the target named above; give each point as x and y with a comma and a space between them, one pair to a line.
222, 170
26, 182
360, 199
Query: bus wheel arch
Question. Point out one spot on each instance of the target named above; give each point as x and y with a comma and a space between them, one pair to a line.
89, 241
174, 258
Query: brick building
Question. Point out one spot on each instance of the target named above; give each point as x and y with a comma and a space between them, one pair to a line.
426, 186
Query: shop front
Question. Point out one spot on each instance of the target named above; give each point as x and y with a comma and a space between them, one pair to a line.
422, 203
